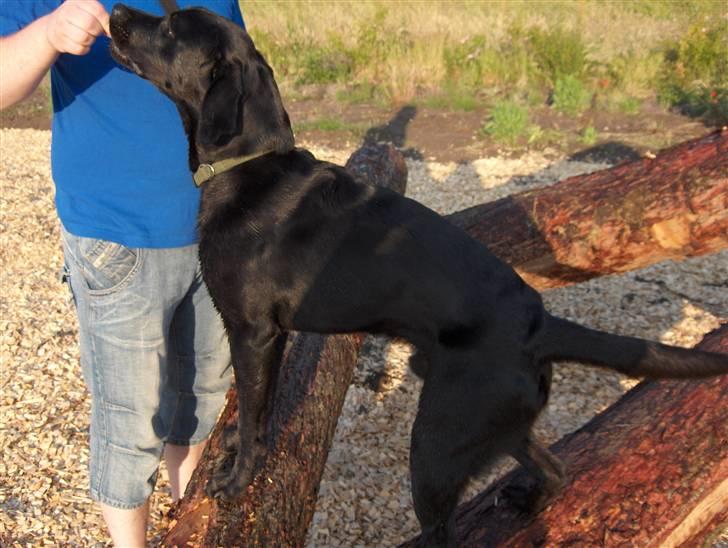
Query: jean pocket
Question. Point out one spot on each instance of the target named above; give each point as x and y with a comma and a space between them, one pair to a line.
107, 266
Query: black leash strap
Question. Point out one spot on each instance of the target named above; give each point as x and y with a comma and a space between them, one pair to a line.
169, 6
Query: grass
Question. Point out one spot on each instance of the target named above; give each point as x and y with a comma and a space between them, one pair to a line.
589, 136
460, 55
508, 122
570, 96
694, 74
464, 55
332, 124
454, 98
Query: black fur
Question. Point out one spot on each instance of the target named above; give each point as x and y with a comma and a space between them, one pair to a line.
288, 242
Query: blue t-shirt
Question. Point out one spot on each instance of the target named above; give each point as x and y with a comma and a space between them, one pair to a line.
119, 153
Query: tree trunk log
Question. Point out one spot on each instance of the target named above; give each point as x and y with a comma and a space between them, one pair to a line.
281, 501
614, 220
652, 470
314, 376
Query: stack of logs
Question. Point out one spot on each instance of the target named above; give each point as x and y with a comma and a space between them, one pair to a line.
651, 469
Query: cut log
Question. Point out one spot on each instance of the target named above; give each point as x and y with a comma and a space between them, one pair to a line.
314, 376
317, 370
641, 212
652, 470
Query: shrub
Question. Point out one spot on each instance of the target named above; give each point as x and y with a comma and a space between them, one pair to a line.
464, 62
322, 65
570, 96
558, 53
372, 42
694, 73
629, 105
508, 122
589, 135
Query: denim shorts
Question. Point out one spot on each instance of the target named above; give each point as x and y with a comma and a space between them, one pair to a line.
153, 354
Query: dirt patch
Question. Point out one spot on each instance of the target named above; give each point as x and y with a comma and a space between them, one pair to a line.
33, 113
441, 135
454, 136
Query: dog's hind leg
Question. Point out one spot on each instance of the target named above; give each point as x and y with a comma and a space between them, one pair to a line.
256, 354
548, 471
437, 481
452, 437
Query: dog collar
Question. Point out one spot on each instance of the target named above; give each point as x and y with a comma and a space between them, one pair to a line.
205, 172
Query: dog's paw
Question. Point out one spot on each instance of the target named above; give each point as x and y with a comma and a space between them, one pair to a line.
230, 439
230, 479
234, 474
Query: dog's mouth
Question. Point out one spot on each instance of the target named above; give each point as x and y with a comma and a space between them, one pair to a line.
124, 60
120, 38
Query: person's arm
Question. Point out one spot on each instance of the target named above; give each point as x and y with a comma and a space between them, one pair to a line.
26, 56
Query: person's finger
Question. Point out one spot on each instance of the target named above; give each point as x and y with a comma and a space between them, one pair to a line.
77, 35
98, 12
79, 16
73, 40
75, 25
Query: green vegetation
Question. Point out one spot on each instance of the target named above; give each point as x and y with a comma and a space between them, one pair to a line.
570, 96
461, 55
694, 74
332, 124
466, 55
508, 122
558, 54
589, 135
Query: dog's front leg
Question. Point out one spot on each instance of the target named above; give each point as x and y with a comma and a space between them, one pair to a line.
256, 354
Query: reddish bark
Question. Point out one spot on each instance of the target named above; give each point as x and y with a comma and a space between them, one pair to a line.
627, 217
652, 470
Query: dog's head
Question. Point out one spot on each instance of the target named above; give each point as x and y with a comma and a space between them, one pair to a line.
207, 65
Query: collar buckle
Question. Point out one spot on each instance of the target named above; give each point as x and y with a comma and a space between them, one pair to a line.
204, 173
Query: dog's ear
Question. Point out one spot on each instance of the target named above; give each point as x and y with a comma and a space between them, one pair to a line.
221, 117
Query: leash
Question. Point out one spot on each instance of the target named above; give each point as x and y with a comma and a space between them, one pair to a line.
169, 6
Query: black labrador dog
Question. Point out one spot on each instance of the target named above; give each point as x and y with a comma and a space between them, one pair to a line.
288, 242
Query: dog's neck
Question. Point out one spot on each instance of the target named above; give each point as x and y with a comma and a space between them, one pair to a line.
206, 171
238, 147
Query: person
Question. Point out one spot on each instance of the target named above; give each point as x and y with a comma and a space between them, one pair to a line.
153, 350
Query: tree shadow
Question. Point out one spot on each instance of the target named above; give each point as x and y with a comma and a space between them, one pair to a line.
611, 152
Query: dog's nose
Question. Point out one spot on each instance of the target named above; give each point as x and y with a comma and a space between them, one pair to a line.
120, 17
120, 14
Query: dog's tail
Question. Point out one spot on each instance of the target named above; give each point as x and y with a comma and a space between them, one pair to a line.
562, 339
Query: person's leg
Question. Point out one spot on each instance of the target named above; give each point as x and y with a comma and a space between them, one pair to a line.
128, 528
181, 462
201, 373
125, 300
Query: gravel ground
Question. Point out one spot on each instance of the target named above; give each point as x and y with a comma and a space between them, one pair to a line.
364, 498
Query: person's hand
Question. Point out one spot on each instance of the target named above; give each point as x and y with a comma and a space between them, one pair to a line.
75, 24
